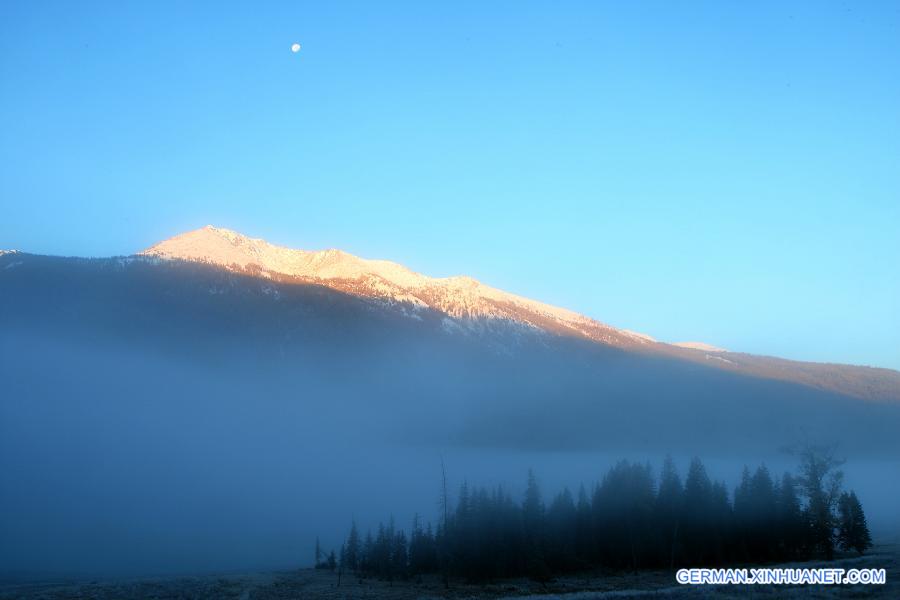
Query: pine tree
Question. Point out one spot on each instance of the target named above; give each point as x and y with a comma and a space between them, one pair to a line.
561, 532
533, 522
853, 531
790, 527
382, 558
583, 532
668, 509
399, 556
623, 511
743, 519
698, 502
367, 559
762, 501
720, 525
441, 538
422, 549
352, 548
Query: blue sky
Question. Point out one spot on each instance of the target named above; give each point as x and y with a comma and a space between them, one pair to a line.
725, 171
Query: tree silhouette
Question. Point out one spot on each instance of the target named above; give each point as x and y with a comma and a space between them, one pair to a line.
789, 518
629, 521
561, 533
319, 564
853, 531
352, 548
698, 508
820, 480
584, 539
533, 522
755, 514
668, 509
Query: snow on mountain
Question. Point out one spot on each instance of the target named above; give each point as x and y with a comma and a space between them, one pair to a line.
14, 263
699, 346
498, 320
463, 299
642, 336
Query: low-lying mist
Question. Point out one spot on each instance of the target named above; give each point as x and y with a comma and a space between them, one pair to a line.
154, 423
115, 462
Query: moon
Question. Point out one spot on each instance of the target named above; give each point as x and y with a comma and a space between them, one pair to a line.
295, 47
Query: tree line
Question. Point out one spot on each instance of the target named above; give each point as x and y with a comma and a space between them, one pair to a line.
630, 520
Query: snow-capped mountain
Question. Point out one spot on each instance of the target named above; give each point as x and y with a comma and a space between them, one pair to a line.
464, 305
256, 282
467, 303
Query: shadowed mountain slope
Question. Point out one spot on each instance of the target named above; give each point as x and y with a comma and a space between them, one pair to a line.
474, 380
466, 304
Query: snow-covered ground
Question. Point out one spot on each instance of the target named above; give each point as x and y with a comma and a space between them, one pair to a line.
313, 585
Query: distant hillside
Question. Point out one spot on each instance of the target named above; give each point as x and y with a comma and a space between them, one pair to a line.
468, 305
486, 380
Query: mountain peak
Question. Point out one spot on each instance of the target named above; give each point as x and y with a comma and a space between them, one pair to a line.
233, 250
218, 230
457, 297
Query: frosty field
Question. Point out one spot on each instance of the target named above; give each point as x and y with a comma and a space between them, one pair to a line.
312, 584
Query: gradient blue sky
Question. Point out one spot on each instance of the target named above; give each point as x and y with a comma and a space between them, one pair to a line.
725, 171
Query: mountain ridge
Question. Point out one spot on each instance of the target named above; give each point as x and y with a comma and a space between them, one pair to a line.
458, 305
458, 296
